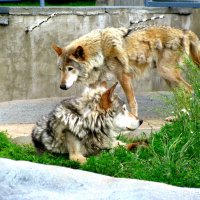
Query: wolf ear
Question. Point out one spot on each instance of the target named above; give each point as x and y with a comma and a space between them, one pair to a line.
57, 49
79, 53
105, 101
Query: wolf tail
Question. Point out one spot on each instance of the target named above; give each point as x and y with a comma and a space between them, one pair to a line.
39, 146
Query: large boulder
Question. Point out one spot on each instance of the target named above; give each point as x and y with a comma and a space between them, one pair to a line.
21, 180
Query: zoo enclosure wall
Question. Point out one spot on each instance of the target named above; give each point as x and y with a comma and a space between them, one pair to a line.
28, 63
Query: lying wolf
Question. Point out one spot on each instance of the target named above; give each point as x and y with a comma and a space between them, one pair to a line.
84, 126
127, 54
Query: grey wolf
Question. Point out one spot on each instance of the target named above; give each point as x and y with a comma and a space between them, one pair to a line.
86, 125
127, 54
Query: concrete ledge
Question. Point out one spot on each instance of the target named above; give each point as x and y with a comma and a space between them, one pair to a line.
90, 10
151, 106
17, 130
25, 180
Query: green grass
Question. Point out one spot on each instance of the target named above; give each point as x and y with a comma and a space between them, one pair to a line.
173, 154
28, 153
31, 3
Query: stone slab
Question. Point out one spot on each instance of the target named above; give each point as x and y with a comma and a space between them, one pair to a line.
150, 106
4, 20
20, 180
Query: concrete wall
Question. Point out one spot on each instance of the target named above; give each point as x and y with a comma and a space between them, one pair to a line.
28, 64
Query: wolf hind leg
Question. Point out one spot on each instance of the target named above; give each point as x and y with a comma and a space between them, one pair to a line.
167, 69
179, 81
173, 78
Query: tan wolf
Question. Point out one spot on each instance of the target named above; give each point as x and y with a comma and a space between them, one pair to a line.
85, 125
127, 54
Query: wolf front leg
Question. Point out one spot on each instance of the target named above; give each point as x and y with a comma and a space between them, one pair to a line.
126, 83
78, 158
117, 143
75, 149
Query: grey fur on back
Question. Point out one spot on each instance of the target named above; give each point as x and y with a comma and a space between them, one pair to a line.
77, 119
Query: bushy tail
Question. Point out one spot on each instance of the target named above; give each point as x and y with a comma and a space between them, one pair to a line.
195, 52
39, 146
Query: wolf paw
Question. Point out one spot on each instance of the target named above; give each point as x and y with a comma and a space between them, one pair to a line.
78, 158
170, 118
134, 145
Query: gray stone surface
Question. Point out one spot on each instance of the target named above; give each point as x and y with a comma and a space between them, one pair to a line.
29, 111
28, 64
20, 180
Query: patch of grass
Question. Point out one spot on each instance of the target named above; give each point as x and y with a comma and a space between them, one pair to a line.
27, 152
173, 154
50, 3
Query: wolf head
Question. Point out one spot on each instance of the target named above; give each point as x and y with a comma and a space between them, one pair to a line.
69, 63
78, 62
103, 100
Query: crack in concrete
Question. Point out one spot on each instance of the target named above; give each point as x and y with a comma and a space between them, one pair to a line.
85, 14
68, 13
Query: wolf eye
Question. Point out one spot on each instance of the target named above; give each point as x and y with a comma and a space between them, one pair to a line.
70, 69
124, 107
59, 67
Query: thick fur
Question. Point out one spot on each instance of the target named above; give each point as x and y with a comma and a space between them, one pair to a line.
83, 126
127, 55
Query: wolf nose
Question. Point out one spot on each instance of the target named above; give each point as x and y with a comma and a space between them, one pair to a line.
63, 87
141, 121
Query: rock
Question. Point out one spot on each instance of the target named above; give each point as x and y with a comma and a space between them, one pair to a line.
22, 140
4, 20
20, 180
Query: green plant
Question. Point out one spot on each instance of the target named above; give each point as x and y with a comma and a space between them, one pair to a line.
27, 152
50, 3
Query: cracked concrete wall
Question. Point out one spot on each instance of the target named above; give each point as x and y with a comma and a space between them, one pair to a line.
28, 64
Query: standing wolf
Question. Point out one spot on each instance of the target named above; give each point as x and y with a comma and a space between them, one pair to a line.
127, 54
86, 125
